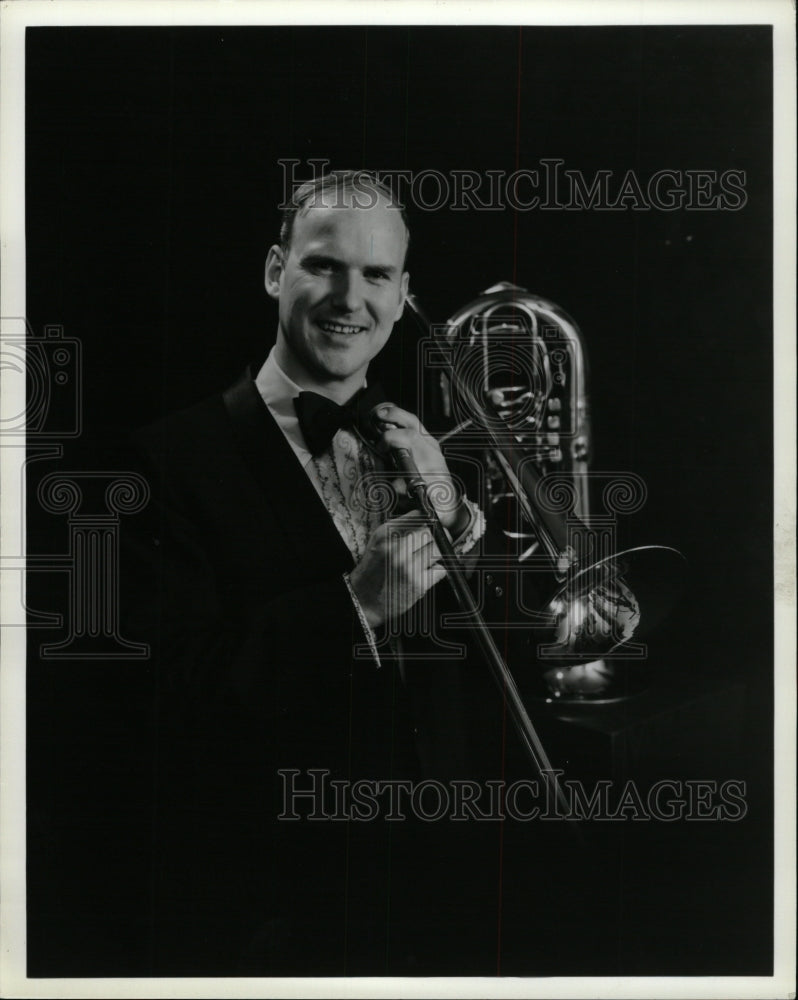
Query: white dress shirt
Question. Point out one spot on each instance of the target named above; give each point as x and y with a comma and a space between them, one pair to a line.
340, 475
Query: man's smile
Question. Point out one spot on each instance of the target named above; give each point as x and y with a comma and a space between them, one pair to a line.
330, 326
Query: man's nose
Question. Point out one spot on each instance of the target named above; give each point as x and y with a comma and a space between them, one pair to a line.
347, 291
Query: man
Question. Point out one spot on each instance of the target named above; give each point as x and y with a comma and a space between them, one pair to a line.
340, 282
266, 580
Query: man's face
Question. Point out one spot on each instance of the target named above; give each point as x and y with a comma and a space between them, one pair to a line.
340, 288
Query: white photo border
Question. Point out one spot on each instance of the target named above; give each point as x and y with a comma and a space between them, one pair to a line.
19, 14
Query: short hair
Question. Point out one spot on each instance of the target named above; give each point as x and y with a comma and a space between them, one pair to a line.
327, 190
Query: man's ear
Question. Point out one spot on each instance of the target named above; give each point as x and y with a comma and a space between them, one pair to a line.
275, 261
404, 288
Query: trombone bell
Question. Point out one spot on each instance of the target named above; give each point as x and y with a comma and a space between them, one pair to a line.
518, 382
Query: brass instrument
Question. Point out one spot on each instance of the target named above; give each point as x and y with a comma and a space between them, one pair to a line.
513, 380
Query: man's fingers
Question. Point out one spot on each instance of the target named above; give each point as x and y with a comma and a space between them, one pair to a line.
406, 548
415, 552
390, 413
425, 556
404, 524
399, 486
405, 535
398, 437
434, 575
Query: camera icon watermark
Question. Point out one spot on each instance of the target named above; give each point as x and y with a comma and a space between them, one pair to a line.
42, 409
49, 367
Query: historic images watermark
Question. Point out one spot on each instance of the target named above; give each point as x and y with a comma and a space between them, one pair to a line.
315, 796
45, 368
548, 185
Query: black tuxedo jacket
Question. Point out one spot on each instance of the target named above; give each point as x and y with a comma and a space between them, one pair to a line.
235, 578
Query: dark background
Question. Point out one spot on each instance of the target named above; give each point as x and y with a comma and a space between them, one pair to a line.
152, 179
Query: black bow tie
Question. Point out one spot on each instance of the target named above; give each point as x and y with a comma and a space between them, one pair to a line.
320, 418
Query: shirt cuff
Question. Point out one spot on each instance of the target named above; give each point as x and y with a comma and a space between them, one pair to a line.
367, 629
475, 529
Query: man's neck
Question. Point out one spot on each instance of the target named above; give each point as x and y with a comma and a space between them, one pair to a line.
339, 390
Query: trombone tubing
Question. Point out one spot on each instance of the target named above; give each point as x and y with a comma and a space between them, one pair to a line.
501, 672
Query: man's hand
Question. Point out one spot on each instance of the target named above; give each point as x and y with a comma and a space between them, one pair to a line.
398, 567
402, 429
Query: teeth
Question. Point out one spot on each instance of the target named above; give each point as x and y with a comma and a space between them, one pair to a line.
339, 328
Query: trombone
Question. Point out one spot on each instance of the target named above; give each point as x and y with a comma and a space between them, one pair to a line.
528, 462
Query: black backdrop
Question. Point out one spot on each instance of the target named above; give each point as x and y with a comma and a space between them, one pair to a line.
152, 178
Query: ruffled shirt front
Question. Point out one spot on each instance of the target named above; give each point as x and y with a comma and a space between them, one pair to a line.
350, 478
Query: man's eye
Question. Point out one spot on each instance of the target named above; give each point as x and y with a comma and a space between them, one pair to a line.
377, 276
320, 267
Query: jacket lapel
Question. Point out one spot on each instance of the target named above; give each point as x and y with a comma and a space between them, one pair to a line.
308, 527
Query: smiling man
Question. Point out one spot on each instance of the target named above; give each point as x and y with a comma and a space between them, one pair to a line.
265, 580
339, 278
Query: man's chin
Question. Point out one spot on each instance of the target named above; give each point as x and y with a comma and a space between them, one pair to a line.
340, 365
